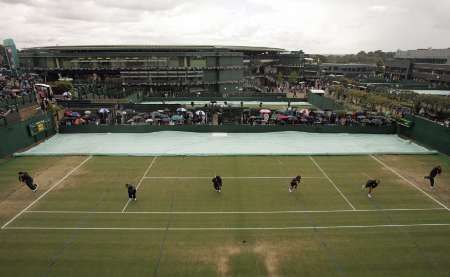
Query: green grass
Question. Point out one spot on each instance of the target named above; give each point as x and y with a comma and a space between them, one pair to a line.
256, 227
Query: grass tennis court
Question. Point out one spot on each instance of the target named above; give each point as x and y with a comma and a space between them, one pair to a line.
80, 223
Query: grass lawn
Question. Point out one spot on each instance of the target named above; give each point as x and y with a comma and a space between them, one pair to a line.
80, 222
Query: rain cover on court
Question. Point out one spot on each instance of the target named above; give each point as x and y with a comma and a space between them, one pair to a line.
170, 143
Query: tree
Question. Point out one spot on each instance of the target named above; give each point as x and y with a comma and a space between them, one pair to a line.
59, 87
293, 77
280, 77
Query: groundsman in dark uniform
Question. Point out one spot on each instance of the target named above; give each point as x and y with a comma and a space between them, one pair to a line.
294, 183
131, 192
25, 178
217, 183
371, 185
434, 172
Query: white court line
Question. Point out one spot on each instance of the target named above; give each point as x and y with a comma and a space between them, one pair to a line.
331, 181
234, 212
230, 177
46, 192
232, 228
140, 181
409, 182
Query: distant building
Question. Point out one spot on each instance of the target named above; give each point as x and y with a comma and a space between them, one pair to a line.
176, 70
351, 70
205, 70
11, 54
424, 65
3, 58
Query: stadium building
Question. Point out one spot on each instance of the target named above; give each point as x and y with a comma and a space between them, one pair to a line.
426, 65
174, 70
352, 70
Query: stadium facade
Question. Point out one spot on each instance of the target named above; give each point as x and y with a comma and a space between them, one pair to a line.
426, 65
180, 70
351, 70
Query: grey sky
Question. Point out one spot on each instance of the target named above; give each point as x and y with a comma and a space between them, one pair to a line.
316, 26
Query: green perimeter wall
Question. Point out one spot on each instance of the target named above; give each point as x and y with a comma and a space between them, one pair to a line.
427, 133
14, 137
324, 103
226, 129
194, 99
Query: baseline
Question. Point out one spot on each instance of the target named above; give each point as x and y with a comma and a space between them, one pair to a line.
234, 228
234, 212
229, 177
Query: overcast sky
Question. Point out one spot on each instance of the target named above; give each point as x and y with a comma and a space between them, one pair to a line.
316, 26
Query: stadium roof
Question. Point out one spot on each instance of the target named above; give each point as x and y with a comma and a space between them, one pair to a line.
159, 47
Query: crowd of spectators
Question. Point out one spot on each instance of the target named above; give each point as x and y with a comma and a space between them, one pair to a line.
184, 116
12, 87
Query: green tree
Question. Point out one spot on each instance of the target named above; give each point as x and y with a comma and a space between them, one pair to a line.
293, 77
60, 87
280, 77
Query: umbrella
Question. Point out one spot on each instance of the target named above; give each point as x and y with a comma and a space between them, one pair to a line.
282, 117
87, 112
305, 111
181, 110
149, 120
67, 94
68, 113
75, 114
177, 117
265, 111
103, 110
200, 113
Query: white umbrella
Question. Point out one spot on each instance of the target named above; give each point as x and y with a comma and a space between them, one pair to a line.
265, 111
305, 111
87, 112
103, 110
181, 110
201, 113
149, 120
67, 93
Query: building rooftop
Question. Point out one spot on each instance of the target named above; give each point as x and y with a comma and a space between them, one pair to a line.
158, 48
424, 54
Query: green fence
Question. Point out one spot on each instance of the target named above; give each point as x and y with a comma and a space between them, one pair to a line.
235, 98
427, 133
229, 129
324, 103
14, 137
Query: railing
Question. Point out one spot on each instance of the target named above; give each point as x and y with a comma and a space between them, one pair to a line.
18, 102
